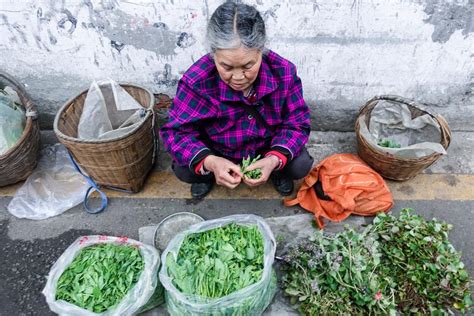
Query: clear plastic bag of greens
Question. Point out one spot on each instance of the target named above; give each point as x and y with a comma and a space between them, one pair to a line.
12, 120
145, 294
250, 300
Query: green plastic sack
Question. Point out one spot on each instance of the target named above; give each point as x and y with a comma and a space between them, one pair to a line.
250, 300
12, 122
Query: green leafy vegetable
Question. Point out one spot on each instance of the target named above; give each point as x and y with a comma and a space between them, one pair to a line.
388, 143
219, 261
252, 174
428, 271
404, 264
336, 275
100, 276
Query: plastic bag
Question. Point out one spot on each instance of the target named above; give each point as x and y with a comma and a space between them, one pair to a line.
417, 137
109, 112
53, 187
251, 300
341, 185
12, 120
134, 301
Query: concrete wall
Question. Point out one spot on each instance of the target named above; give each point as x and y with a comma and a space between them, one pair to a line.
346, 50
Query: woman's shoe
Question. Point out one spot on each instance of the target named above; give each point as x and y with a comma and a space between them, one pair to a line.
282, 184
200, 190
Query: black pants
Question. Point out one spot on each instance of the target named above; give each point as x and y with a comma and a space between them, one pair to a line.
297, 168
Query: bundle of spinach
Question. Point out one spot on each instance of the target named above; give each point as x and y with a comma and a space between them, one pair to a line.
100, 276
388, 143
252, 174
218, 262
404, 264
337, 275
428, 271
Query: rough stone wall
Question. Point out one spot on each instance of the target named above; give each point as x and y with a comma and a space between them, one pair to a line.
346, 51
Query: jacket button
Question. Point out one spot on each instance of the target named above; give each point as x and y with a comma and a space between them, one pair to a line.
250, 117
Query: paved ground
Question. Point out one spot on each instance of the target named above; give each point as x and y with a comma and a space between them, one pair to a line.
29, 248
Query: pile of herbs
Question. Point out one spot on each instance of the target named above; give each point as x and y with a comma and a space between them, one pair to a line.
218, 262
404, 264
426, 268
100, 276
251, 174
337, 275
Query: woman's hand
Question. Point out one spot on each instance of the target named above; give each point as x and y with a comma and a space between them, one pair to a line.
226, 172
267, 164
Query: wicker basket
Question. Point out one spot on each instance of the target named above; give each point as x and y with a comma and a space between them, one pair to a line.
20, 160
387, 165
122, 162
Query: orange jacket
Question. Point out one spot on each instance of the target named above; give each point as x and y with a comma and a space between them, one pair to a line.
351, 185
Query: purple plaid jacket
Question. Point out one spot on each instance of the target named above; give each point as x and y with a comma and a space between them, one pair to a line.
205, 116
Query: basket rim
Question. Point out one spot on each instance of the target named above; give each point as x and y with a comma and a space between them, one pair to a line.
18, 87
395, 158
28, 104
59, 134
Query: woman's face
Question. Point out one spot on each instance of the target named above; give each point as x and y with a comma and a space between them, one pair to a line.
238, 67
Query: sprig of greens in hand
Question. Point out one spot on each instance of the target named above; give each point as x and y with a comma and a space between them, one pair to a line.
251, 174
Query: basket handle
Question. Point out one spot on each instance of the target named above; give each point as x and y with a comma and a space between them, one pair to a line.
397, 98
8, 80
446, 132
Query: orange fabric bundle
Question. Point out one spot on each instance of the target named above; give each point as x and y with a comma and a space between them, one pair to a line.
351, 185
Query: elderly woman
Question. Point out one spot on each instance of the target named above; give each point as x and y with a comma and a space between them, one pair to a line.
239, 101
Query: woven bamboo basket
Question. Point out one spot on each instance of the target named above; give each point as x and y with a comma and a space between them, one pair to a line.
20, 160
389, 166
121, 163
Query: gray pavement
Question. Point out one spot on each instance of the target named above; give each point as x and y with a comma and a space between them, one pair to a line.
29, 248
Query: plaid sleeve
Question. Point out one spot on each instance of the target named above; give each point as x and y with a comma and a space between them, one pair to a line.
293, 134
181, 133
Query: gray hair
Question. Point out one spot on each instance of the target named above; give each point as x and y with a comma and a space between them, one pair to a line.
234, 24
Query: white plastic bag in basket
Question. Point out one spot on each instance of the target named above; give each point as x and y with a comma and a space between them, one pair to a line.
418, 137
131, 303
12, 120
109, 112
251, 300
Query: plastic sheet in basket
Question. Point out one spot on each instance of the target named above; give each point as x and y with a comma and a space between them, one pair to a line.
12, 120
418, 137
109, 112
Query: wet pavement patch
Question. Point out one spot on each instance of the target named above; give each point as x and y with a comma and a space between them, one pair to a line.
408, 190
451, 180
25, 265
